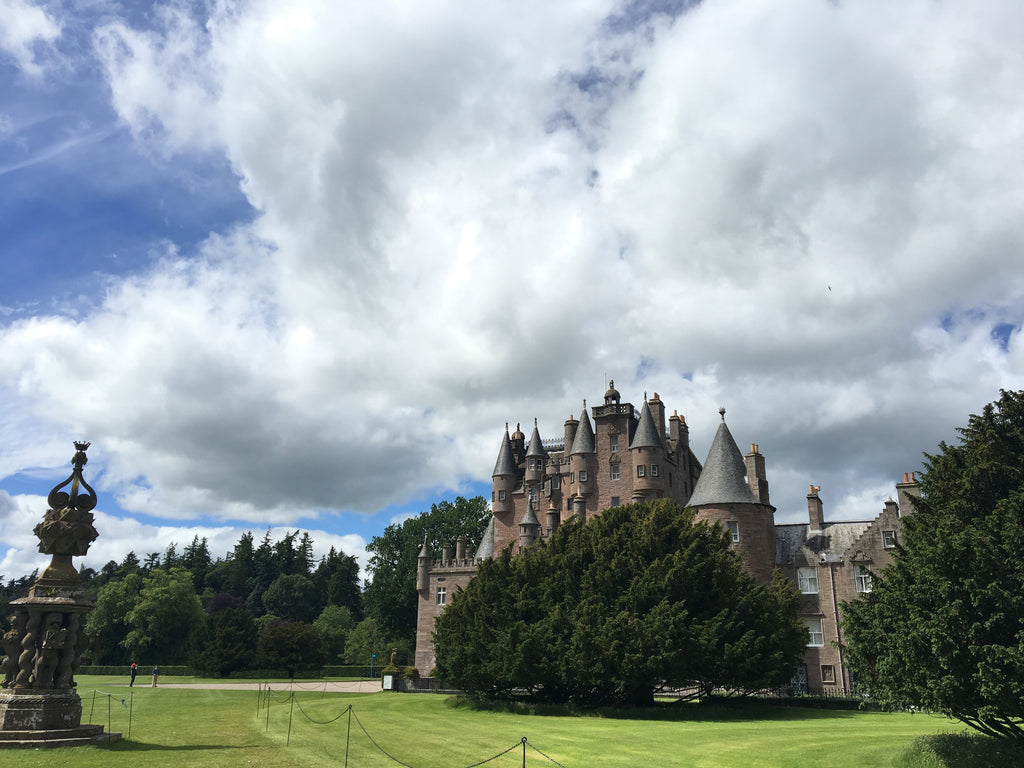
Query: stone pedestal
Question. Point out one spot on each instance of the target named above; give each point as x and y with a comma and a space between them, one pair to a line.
30, 711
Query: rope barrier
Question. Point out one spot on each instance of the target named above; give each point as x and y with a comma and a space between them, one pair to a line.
350, 711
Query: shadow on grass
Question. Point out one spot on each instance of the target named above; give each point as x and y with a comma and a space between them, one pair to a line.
141, 746
715, 711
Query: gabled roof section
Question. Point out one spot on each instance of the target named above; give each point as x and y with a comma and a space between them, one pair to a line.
646, 435
506, 463
584, 440
724, 477
536, 446
486, 549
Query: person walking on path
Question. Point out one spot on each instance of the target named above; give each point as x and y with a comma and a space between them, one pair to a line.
133, 671
156, 674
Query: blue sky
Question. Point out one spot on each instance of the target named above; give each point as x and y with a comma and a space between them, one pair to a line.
295, 264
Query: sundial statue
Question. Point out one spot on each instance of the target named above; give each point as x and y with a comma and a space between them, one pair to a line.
38, 700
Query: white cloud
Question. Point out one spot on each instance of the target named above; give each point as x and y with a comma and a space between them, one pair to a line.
26, 30
806, 212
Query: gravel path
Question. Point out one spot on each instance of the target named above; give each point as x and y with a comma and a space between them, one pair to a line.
350, 686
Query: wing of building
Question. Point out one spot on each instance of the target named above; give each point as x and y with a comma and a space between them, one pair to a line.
616, 455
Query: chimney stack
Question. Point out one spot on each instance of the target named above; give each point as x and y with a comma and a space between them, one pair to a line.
815, 510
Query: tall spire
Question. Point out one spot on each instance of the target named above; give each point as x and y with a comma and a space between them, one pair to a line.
646, 435
506, 463
723, 479
584, 440
536, 447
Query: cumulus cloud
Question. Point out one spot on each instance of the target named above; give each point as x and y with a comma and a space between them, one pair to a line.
25, 32
807, 212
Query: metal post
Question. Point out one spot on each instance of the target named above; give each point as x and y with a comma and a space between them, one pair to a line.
372, 657
268, 707
348, 734
524, 752
291, 707
131, 706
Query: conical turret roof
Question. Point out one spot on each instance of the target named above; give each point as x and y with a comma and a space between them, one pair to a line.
584, 440
506, 463
536, 446
646, 435
530, 517
724, 477
486, 549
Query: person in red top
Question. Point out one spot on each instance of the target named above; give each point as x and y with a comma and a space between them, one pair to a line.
133, 671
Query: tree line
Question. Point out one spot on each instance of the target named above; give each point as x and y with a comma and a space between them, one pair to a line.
268, 605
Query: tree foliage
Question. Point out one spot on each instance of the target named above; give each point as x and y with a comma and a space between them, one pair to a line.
290, 646
943, 627
391, 594
226, 644
164, 618
609, 611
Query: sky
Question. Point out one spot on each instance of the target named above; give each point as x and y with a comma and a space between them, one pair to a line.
294, 265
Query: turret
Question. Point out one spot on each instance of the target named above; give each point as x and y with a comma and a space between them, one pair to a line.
536, 457
529, 528
648, 452
723, 497
423, 568
504, 477
583, 458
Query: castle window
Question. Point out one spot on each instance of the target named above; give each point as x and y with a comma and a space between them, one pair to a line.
734, 530
441, 592
888, 539
583, 475
641, 470
817, 636
572, 477
654, 470
532, 465
613, 443
556, 482
807, 580
615, 471
501, 495
862, 576
828, 674
533, 493
615, 501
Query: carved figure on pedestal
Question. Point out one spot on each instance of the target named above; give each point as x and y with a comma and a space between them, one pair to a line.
12, 648
49, 652
65, 672
28, 652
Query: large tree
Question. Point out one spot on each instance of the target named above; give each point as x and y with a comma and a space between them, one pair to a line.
391, 594
165, 617
609, 611
943, 627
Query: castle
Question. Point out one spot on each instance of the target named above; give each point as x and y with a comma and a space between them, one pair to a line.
626, 456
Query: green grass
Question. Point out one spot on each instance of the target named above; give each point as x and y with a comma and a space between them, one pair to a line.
175, 728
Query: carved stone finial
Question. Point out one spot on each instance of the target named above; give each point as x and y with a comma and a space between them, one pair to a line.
67, 528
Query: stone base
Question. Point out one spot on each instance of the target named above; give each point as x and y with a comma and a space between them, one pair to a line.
39, 711
81, 736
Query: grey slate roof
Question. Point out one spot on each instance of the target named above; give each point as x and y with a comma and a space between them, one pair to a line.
724, 477
834, 541
506, 463
486, 549
536, 446
646, 435
584, 440
530, 518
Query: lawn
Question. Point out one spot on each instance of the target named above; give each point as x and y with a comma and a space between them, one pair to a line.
180, 728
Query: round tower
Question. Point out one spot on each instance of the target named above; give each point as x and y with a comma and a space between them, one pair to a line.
648, 451
583, 462
722, 496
